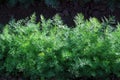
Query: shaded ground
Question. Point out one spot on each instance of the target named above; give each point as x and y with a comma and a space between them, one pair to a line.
111, 77
67, 11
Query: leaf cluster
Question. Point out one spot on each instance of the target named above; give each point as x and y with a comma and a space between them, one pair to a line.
50, 50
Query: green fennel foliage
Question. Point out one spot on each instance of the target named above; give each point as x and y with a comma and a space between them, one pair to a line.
50, 50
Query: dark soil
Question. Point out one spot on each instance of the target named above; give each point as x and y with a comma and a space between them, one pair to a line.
66, 10
111, 77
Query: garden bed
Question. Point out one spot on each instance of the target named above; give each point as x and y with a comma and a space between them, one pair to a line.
50, 50
43, 47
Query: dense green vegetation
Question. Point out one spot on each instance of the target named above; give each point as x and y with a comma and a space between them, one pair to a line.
50, 50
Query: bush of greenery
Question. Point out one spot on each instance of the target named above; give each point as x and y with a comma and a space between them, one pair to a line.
50, 50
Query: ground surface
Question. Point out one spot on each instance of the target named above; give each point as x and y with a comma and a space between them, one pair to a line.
67, 11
